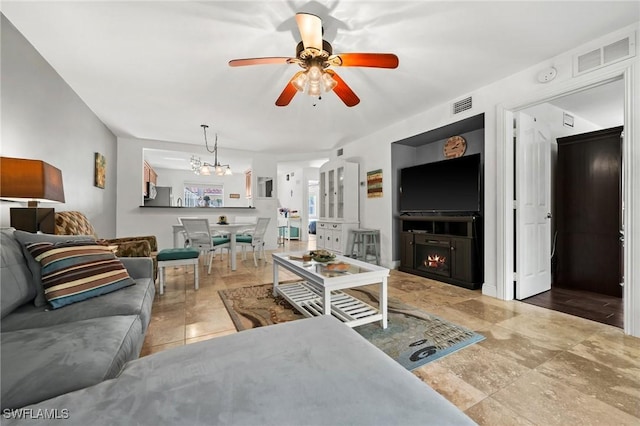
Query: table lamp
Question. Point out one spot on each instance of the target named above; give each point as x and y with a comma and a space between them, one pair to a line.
32, 181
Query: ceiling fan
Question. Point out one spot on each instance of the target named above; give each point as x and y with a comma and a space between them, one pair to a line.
315, 55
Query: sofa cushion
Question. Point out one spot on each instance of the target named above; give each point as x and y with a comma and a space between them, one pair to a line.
25, 238
76, 271
16, 282
38, 364
134, 300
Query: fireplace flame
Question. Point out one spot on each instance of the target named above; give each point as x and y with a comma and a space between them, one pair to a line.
434, 261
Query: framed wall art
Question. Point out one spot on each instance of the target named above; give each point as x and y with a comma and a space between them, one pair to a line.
100, 174
374, 184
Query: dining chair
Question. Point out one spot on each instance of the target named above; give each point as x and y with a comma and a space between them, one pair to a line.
200, 237
183, 232
254, 239
252, 220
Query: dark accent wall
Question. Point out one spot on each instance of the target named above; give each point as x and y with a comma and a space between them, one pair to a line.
427, 147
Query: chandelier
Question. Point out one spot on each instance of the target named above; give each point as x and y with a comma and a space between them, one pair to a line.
200, 167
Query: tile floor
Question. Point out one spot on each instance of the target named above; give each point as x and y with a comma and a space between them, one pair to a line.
536, 366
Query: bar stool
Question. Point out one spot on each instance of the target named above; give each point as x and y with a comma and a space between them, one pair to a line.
365, 243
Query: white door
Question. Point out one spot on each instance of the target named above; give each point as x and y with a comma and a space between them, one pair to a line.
533, 207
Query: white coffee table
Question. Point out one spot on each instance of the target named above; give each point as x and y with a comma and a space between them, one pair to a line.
319, 293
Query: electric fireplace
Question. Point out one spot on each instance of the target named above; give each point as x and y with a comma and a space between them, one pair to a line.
443, 248
434, 256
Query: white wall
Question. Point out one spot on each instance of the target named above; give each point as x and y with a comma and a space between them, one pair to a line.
373, 151
552, 116
43, 119
177, 179
131, 219
290, 192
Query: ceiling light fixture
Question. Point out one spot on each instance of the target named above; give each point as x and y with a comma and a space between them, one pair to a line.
314, 81
200, 167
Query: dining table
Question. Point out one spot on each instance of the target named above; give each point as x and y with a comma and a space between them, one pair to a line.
230, 228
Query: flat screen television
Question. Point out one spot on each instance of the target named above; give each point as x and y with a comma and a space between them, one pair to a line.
450, 186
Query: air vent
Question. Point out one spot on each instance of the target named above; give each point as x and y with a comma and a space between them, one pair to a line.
589, 61
605, 55
339, 152
462, 105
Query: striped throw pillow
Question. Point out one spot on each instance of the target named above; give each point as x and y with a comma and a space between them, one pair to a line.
74, 271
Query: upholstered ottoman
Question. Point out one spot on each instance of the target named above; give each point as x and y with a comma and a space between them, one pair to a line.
177, 257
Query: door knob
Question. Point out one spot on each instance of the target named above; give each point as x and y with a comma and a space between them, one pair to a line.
549, 215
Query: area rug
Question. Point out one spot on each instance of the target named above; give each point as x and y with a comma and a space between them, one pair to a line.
413, 337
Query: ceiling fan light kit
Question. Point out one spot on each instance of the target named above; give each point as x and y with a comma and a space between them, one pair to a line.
315, 55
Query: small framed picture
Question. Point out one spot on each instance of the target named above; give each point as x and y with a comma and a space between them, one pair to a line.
100, 170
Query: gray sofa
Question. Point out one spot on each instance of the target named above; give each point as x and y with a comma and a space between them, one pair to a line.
46, 353
314, 371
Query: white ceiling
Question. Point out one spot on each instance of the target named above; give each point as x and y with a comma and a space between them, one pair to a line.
602, 105
158, 69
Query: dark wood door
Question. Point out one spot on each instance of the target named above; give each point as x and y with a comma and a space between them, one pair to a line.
588, 212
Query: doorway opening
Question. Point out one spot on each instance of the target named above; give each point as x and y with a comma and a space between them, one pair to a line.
537, 241
314, 197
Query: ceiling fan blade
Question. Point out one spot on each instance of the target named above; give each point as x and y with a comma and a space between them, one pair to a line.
289, 92
259, 61
343, 91
310, 27
373, 60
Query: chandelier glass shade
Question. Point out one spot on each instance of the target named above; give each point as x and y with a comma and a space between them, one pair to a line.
204, 168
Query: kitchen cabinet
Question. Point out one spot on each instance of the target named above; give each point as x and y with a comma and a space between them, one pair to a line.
148, 175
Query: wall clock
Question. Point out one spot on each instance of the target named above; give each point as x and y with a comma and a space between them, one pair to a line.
455, 147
